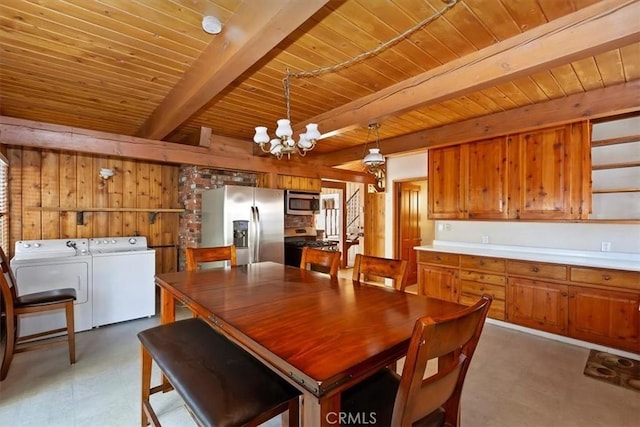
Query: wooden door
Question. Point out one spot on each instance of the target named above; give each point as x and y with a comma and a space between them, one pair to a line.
409, 232
540, 174
539, 305
374, 224
447, 178
605, 317
487, 186
438, 282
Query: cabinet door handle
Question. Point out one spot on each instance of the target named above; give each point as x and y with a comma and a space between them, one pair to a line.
481, 262
606, 277
564, 294
535, 269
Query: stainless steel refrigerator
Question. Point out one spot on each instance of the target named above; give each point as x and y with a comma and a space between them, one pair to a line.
251, 218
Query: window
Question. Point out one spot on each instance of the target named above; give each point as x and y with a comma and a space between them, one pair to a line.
4, 203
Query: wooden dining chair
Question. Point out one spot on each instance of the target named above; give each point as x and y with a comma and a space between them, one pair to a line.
319, 260
365, 267
435, 401
196, 256
13, 306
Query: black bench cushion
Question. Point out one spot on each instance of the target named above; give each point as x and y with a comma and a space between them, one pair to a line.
222, 384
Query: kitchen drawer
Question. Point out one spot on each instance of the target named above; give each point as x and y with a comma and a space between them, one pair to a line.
442, 258
483, 263
475, 288
496, 311
599, 276
537, 270
476, 276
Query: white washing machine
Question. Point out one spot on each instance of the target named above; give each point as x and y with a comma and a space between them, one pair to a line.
41, 265
123, 279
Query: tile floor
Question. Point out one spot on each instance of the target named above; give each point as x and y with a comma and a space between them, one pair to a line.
515, 379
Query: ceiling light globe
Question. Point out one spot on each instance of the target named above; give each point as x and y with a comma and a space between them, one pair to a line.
313, 132
304, 142
374, 158
276, 146
261, 136
284, 129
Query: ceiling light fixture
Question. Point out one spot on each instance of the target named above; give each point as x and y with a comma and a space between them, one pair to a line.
211, 25
374, 160
285, 143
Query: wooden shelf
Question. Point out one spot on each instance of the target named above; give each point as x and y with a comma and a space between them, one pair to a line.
153, 212
617, 190
613, 141
615, 166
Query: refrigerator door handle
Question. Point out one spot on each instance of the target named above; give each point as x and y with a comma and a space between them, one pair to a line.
258, 230
252, 235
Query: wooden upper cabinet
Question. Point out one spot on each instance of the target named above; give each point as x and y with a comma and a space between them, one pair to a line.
447, 177
548, 173
287, 182
542, 174
469, 180
487, 179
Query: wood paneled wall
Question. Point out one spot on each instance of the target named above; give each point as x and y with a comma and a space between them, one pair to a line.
56, 179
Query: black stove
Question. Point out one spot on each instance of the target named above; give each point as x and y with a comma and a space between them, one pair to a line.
312, 243
293, 247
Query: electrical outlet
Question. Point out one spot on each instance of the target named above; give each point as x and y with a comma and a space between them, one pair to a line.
605, 247
485, 239
447, 226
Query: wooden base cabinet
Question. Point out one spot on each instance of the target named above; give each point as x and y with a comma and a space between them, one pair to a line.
596, 305
438, 282
538, 304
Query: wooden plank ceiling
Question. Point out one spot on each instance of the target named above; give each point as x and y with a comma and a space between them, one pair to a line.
145, 68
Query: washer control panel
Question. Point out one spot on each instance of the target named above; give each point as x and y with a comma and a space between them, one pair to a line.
117, 244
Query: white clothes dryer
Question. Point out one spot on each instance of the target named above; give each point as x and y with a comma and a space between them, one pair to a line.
123, 279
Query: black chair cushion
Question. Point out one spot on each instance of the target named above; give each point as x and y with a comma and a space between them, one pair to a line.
222, 384
372, 399
46, 297
370, 402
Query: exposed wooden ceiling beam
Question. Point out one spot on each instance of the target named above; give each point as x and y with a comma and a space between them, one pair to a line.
594, 104
604, 26
224, 153
253, 31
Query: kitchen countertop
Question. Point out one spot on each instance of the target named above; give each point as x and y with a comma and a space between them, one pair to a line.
615, 260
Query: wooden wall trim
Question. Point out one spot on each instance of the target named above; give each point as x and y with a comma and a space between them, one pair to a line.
30, 133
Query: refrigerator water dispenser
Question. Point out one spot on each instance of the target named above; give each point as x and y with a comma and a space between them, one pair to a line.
241, 233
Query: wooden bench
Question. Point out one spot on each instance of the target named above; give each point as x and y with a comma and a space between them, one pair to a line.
220, 383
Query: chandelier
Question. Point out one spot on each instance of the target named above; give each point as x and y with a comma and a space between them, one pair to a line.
285, 143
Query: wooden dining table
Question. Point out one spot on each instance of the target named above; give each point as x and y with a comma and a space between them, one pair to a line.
323, 335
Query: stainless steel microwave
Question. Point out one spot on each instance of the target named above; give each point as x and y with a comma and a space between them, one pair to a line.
301, 203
